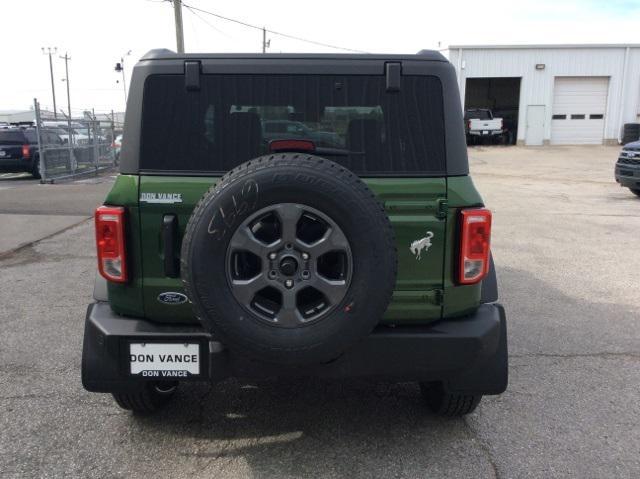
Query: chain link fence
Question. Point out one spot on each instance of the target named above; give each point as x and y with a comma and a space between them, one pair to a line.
73, 146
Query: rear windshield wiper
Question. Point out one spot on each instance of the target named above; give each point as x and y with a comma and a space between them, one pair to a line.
336, 152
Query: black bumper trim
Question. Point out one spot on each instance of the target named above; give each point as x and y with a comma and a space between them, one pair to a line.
628, 175
468, 354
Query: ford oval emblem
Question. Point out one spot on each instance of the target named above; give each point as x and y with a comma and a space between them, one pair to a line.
172, 298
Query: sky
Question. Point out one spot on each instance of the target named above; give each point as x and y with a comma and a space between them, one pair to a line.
98, 33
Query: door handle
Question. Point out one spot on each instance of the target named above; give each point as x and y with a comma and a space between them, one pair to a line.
169, 245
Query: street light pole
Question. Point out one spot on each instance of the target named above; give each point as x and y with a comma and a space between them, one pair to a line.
177, 11
124, 83
120, 68
49, 52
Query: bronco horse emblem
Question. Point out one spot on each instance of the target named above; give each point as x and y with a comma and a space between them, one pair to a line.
422, 244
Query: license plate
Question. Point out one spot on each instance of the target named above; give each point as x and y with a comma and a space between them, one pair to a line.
164, 360
485, 132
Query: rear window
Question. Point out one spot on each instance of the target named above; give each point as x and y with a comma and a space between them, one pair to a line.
11, 137
478, 115
351, 119
32, 136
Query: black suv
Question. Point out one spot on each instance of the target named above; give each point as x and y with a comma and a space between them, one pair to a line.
19, 149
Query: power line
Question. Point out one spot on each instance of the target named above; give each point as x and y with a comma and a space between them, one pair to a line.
273, 32
202, 19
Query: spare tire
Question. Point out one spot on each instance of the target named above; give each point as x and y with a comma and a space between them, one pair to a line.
289, 259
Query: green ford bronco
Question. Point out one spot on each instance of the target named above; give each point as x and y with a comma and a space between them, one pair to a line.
294, 215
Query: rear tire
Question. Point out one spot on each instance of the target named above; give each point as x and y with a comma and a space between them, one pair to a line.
152, 398
446, 404
635, 191
35, 169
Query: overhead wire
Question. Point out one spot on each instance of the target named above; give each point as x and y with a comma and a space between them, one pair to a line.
272, 32
204, 20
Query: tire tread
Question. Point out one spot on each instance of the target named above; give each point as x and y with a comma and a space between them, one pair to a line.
448, 404
145, 401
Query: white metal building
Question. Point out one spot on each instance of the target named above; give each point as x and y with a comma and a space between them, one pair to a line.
17, 116
553, 94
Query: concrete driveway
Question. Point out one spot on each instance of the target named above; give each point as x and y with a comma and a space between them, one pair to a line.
566, 245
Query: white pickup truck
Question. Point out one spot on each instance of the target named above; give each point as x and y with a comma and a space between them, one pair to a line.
480, 123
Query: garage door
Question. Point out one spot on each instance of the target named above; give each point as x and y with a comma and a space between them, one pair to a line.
579, 105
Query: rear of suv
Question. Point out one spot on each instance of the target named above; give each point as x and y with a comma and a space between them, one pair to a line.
19, 151
294, 215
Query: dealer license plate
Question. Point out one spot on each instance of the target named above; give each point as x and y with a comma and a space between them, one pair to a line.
164, 360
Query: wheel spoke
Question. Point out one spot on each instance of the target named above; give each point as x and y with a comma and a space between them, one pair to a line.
245, 289
289, 215
243, 240
289, 314
332, 240
333, 290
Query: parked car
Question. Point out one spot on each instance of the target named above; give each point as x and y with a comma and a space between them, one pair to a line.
368, 261
78, 137
117, 145
77, 133
480, 124
19, 149
627, 170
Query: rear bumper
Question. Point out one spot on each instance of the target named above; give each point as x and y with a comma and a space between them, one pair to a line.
485, 132
628, 175
468, 354
12, 165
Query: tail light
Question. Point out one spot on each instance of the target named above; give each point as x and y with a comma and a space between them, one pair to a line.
291, 145
112, 259
502, 124
26, 152
469, 125
475, 229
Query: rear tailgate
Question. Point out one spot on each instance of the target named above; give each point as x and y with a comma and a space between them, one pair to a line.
485, 125
389, 131
414, 205
10, 152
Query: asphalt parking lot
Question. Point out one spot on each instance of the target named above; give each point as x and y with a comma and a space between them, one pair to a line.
30, 211
565, 241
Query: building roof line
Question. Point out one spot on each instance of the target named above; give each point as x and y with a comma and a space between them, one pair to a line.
543, 46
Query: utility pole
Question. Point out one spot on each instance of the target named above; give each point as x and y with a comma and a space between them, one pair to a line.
66, 59
52, 51
265, 43
177, 10
71, 141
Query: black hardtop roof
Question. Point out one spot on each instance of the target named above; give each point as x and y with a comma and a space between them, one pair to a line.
166, 62
422, 55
